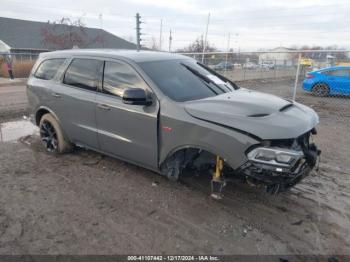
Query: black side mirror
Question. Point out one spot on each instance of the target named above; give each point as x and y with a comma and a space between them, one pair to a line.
136, 96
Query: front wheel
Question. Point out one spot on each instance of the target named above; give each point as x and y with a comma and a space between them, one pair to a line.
51, 135
320, 89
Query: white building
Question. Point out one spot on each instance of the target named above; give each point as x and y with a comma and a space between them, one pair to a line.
278, 56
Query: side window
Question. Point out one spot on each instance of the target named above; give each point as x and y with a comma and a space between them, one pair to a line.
339, 72
84, 73
342, 72
119, 76
48, 69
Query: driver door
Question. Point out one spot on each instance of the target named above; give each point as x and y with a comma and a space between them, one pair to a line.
126, 131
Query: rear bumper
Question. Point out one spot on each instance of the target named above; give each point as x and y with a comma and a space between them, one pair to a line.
307, 85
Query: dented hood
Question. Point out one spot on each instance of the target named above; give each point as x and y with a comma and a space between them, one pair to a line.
262, 115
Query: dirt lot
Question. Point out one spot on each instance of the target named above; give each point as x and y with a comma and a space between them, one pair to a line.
86, 203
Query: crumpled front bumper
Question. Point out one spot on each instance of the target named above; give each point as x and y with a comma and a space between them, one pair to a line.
274, 181
279, 179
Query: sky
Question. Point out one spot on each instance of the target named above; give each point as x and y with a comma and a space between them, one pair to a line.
251, 24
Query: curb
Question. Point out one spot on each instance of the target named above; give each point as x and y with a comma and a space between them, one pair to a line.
19, 82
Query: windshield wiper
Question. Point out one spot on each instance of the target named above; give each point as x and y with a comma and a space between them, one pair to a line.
203, 77
235, 87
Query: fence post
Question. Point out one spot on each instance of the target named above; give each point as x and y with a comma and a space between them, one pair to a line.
296, 78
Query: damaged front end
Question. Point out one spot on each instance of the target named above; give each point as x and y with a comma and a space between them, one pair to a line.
280, 164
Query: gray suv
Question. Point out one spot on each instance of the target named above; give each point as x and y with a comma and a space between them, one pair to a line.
170, 114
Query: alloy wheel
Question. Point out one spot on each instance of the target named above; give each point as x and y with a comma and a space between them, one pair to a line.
320, 90
48, 136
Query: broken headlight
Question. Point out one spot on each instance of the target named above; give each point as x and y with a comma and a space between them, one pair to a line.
275, 156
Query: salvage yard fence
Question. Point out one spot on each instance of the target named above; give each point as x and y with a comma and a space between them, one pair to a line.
281, 73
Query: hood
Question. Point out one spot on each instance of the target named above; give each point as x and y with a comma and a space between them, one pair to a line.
262, 115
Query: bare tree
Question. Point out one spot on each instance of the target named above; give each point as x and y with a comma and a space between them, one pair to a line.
318, 55
65, 34
154, 43
197, 47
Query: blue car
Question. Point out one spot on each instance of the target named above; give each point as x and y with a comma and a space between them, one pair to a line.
328, 81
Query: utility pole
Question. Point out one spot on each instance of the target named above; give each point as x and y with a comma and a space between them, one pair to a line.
205, 38
170, 40
100, 17
138, 32
101, 26
228, 48
160, 34
296, 78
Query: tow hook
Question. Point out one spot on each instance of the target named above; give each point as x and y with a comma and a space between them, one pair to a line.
217, 182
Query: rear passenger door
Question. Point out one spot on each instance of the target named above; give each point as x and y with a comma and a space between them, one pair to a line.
74, 100
126, 131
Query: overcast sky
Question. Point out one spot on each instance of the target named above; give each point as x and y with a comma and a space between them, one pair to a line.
253, 24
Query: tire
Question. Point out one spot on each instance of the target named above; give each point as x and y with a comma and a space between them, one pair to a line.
320, 89
52, 137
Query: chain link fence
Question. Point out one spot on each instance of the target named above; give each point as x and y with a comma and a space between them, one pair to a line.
319, 79
22, 63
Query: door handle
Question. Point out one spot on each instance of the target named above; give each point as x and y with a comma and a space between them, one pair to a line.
56, 95
104, 107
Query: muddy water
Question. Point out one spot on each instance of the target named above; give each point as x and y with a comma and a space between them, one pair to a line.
11, 131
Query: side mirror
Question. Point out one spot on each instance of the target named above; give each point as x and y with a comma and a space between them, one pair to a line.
136, 96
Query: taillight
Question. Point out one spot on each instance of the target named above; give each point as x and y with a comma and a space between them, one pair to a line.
309, 76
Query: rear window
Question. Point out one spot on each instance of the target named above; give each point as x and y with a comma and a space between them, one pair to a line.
84, 73
48, 69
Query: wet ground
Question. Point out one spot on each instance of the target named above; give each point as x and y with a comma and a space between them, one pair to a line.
87, 203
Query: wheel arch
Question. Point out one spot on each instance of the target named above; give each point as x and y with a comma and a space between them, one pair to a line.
321, 82
42, 110
180, 148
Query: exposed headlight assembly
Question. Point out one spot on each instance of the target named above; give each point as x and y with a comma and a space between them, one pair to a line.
275, 156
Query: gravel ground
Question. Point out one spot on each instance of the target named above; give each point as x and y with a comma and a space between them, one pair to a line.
87, 203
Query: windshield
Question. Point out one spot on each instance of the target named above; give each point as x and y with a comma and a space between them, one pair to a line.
185, 80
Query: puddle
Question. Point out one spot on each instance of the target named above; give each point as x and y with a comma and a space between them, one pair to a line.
11, 131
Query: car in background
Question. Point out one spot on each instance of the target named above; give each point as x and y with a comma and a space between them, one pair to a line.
224, 66
328, 81
237, 66
250, 65
267, 65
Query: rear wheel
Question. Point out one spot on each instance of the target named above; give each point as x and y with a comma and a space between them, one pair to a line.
320, 89
51, 135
